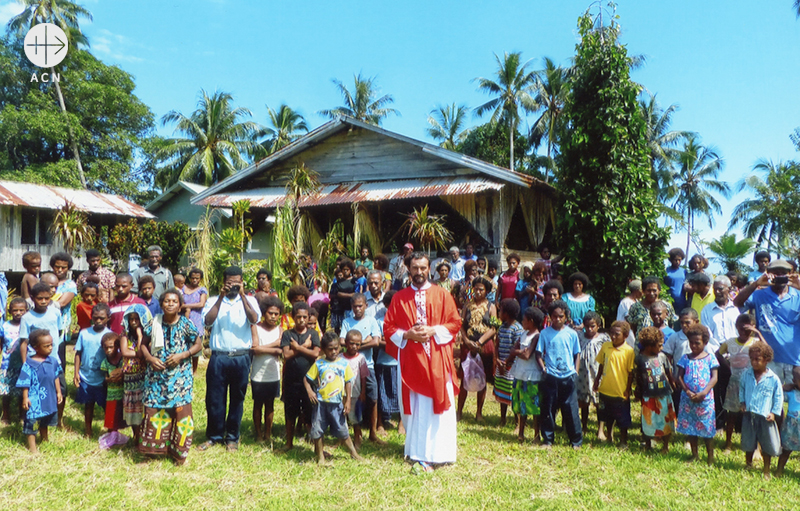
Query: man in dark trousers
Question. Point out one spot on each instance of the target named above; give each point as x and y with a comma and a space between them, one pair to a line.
230, 316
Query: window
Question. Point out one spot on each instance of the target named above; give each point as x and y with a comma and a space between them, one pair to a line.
36, 227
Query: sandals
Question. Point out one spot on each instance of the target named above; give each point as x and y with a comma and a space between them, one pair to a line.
420, 467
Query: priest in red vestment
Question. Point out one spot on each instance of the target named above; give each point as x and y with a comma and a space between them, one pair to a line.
421, 323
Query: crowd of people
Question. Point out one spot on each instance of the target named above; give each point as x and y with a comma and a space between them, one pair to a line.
391, 343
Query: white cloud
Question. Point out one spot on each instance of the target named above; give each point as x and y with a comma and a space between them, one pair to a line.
113, 46
8, 10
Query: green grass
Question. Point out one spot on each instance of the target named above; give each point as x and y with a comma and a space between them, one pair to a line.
493, 472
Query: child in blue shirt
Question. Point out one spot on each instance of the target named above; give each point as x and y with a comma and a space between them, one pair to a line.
89, 356
333, 378
761, 397
557, 353
11, 362
48, 317
370, 339
41, 389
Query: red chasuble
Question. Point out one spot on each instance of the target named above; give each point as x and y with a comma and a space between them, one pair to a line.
425, 375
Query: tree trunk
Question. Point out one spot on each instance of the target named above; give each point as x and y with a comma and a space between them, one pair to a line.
688, 233
72, 143
547, 169
511, 146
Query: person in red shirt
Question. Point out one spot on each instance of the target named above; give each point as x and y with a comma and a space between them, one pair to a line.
83, 311
122, 301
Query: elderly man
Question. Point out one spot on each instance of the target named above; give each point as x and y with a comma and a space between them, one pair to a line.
230, 316
162, 276
456, 265
777, 307
420, 325
385, 366
103, 277
720, 315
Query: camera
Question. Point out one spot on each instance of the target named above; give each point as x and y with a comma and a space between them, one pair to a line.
780, 280
235, 289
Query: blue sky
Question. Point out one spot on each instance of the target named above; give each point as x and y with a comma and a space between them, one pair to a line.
730, 65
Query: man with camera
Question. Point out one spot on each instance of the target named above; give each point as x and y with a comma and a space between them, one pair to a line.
230, 317
776, 301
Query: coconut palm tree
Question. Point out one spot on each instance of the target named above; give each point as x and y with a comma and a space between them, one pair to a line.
363, 103
551, 86
215, 140
661, 141
286, 125
797, 7
693, 182
729, 251
772, 206
65, 15
447, 125
513, 90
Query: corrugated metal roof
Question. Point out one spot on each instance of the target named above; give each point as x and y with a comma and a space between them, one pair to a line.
341, 123
13, 193
346, 193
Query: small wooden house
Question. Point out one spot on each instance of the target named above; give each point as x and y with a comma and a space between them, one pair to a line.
364, 169
27, 211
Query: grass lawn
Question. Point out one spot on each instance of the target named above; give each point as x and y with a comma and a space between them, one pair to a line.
493, 472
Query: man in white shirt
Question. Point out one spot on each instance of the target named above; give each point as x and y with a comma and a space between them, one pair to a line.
720, 315
457, 265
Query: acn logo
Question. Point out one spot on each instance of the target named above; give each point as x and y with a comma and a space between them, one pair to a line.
46, 45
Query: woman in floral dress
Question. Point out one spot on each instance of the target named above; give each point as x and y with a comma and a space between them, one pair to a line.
170, 342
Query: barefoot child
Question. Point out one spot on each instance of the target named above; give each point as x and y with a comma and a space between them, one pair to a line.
557, 353
41, 388
697, 375
32, 262
333, 381
300, 347
11, 361
89, 356
761, 398
654, 388
48, 317
591, 342
614, 380
527, 373
265, 372
790, 429
133, 366
735, 354
370, 339
355, 359
508, 334
112, 369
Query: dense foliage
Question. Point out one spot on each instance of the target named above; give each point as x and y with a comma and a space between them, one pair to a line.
134, 238
111, 125
607, 223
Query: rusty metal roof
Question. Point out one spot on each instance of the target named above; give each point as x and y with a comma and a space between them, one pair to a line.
13, 193
346, 193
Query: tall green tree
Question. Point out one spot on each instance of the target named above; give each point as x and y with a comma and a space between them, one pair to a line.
447, 125
489, 142
286, 126
606, 224
552, 87
661, 140
772, 210
215, 142
693, 183
65, 15
513, 91
111, 124
363, 103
